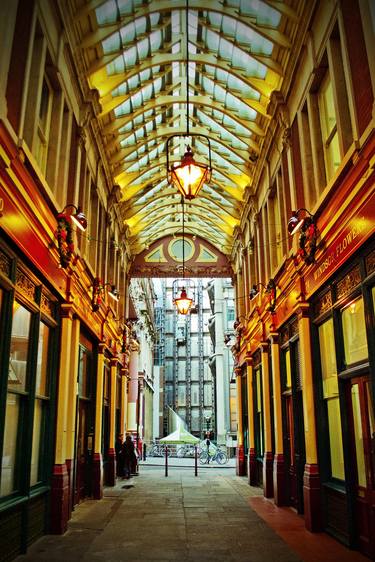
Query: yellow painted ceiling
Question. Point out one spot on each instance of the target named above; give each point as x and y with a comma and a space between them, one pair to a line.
135, 52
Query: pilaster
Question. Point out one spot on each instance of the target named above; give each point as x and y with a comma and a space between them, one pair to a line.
240, 453
97, 456
311, 480
268, 454
250, 411
279, 482
60, 477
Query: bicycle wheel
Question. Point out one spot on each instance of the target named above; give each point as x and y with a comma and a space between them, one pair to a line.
203, 457
221, 458
153, 451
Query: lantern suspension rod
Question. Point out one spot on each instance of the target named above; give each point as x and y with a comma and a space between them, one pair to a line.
183, 238
187, 66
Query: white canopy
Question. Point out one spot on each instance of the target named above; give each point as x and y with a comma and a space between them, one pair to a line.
180, 436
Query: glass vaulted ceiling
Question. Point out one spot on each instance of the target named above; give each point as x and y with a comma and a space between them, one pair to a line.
137, 53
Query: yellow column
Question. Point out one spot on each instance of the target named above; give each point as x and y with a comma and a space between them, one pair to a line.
311, 479
250, 414
97, 457
73, 390
268, 454
72, 406
60, 487
123, 400
241, 467
279, 483
65, 373
112, 424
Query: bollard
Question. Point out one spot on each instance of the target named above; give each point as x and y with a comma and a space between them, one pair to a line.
166, 460
196, 460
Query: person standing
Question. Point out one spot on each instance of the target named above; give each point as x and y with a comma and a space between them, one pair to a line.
119, 455
128, 452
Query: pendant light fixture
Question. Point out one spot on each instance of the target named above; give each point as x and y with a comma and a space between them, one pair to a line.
188, 176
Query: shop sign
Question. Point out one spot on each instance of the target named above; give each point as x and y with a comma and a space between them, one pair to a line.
358, 229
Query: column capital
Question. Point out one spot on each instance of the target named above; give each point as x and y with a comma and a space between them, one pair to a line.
274, 337
101, 347
249, 360
264, 345
114, 361
303, 310
238, 371
67, 311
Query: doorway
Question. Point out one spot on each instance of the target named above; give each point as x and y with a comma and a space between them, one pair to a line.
362, 440
293, 424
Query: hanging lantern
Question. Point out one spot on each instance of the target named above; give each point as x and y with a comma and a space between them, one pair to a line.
189, 176
183, 302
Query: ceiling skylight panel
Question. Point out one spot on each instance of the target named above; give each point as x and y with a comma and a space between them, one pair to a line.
156, 39
248, 63
212, 40
257, 43
216, 174
128, 6
219, 129
111, 44
243, 110
224, 163
123, 109
235, 83
229, 122
106, 13
226, 152
228, 26
208, 85
265, 15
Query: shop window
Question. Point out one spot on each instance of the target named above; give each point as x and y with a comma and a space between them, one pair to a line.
354, 332
16, 397
331, 397
331, 149
8, 468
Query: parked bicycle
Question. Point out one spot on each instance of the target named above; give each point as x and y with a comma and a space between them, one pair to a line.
213, 455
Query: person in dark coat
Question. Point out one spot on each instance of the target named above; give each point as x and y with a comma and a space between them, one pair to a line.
128, 452
119, 455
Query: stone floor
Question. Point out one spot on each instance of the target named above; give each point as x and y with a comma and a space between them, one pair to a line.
182, 517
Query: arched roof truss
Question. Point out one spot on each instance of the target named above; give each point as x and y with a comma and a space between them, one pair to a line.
135, 52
